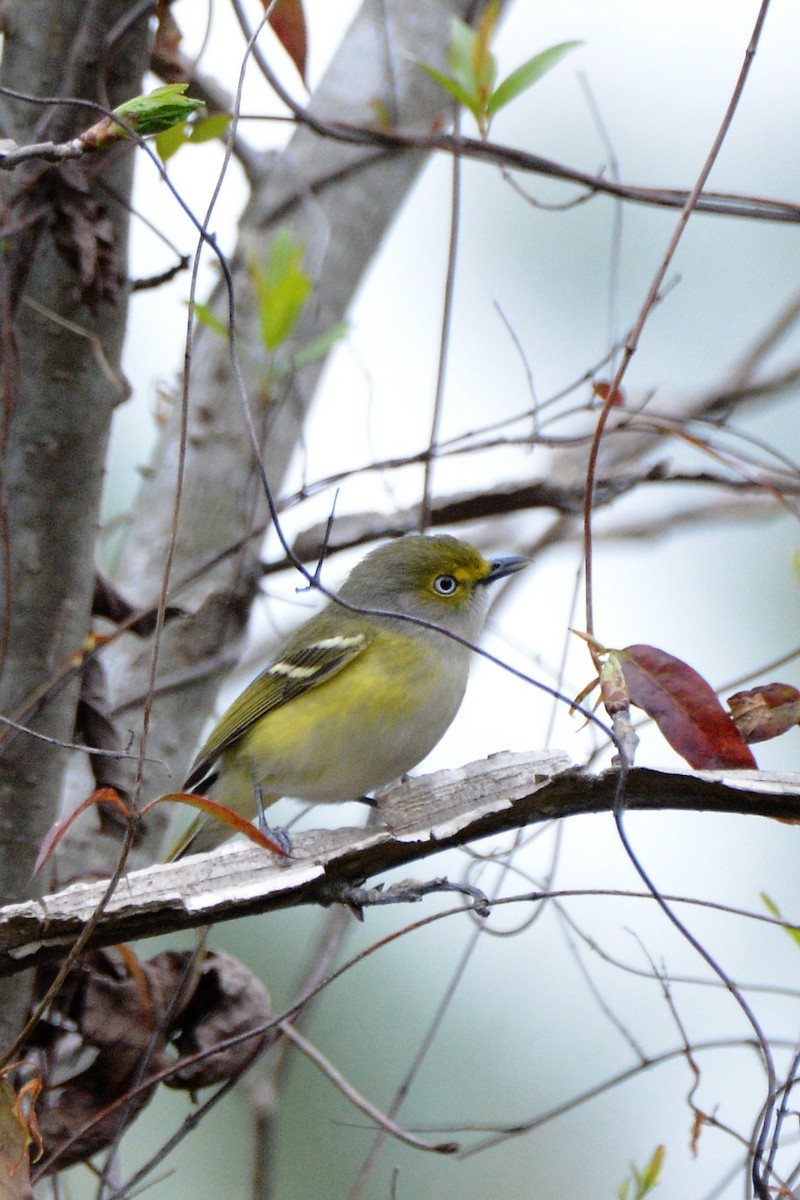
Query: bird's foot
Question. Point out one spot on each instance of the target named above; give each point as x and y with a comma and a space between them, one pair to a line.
279, 836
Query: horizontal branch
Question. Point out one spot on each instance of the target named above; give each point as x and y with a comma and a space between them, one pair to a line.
358, 529
730, 204
423, 816
482, 150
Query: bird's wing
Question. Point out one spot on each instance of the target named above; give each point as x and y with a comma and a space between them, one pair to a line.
301, 666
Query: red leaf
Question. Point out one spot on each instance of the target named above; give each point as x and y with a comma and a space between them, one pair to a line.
685, 708
104, 795
765, 712
221, 812
288, 23
602, 390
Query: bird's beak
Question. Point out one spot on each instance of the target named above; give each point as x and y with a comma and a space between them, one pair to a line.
500, 567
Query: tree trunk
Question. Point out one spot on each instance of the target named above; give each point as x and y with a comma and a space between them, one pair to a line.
64, 300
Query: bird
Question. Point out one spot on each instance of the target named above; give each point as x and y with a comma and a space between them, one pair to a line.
358, 695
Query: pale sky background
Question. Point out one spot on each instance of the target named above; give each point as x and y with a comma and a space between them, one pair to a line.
524, 1031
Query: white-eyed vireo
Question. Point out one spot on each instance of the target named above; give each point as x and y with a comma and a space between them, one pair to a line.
352, 700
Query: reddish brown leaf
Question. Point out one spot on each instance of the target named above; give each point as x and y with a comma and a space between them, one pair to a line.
685, 708
167, 44
220, 812
602, 390
765, 712
56, 831
288, 23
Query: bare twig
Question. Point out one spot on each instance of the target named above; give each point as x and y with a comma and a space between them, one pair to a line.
350, 1093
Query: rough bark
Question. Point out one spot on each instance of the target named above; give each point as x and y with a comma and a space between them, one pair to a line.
63, 325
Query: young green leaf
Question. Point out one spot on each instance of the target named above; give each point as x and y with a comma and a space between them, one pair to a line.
645, 1180
206, 317
282, 289
145, 115
473, 69
773, 909
526, 75
209, 128
169, 141
315, 349
460, 56
190, 133
159, 110
650, 1176
455, 89
484, 63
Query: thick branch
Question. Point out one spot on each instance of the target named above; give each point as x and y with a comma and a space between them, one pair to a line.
423, 816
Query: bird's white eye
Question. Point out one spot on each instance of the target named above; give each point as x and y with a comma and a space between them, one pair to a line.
445, 585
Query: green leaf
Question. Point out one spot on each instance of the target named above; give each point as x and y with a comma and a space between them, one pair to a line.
645, 1181
484, 63
315, 349
210, 128
206, 317
526, 75
145, 115
159, 110
649, 1178
454, 88
461, 56
772, 908
169, 141
282, 290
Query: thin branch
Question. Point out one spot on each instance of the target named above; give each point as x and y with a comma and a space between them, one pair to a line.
444, 344
690, 206
721, 203
386, 1124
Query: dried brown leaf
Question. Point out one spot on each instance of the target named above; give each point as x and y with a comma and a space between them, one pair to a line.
167, 44
117, 1020
228, 1000
765, 712
15, 1138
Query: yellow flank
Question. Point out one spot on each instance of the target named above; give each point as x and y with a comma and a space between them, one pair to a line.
354, 699
356, 731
